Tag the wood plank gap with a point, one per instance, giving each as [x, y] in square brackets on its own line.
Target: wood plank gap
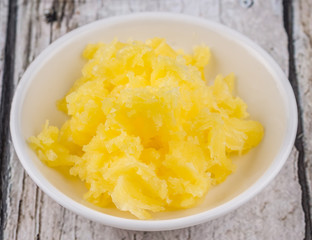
[38, 214]
[62, 14]
[299, 144]
[5, 106]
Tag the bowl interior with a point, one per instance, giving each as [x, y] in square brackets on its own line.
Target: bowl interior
[256, 84]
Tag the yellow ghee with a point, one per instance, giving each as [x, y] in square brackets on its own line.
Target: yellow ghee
[145, 132]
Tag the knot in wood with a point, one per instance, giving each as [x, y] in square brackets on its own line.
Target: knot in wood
[246, 3]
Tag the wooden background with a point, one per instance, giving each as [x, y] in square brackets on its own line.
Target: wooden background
[283, 28]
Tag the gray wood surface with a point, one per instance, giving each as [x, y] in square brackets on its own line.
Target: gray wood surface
[303, 63]
[282, 28]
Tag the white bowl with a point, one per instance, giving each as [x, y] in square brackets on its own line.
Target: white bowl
[260, 82]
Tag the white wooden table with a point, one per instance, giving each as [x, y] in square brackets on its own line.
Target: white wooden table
[283, 28]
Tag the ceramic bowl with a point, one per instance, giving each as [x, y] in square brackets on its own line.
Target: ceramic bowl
[260, 83]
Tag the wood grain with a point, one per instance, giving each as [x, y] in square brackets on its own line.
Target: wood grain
[7, 88]
[275, 213]
[303, 64]
[3, 28]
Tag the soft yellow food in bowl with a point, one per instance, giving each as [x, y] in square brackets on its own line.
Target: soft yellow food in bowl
[145, 131]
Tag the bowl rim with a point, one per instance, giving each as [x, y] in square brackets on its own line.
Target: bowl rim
[169, 224]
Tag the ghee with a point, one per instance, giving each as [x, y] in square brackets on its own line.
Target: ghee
[145, 131]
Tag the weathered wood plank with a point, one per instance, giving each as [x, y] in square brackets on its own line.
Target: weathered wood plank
[31, 40]
[273, 214]
[3, 28]
[8, 39]
[303, 65]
